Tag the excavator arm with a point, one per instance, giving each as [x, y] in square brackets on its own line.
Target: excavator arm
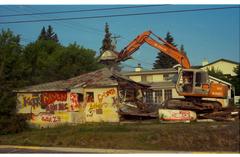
[164, 47]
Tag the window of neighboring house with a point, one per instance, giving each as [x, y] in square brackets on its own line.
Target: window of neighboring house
[167, 94]
[149, 78]
[144, 78]
[90, 97]
[165, 77]
[149, 96]
[80, 97]
[158, 96]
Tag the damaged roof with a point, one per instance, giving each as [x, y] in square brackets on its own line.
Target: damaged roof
[99, 78]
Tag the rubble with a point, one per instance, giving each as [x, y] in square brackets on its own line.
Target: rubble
[228, 114]
[224, 115]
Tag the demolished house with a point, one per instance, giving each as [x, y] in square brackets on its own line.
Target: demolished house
[99, 96]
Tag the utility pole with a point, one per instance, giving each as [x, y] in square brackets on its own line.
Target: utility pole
[115, 37]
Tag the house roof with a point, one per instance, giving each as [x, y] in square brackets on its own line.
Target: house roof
[99, 78]
[222, 59]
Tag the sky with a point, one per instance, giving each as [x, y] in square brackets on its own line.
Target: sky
[207, 35]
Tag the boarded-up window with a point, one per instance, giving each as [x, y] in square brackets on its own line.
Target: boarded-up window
[90, 97]
[167, 94]
[80, 97]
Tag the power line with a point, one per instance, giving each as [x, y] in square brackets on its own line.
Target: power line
[66, 24]
[83, 10]
[143, 62]
[122, 15]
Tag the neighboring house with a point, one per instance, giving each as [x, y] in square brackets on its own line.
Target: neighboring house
[162, 82]
[224, 65]
[91, 97]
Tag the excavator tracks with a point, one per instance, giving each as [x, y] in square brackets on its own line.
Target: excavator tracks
[199, 106]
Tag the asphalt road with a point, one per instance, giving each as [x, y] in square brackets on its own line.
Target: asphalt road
[8, 149]
[30, 151]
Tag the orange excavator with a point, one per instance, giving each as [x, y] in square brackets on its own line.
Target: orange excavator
[193, 84]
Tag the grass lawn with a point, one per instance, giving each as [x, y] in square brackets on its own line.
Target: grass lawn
[217, 136]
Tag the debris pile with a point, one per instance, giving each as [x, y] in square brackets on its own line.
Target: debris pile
[227, 114]
[224, 115]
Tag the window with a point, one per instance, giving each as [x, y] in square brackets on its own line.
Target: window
[149, 78]
[201, 78]
[149, 96]
[165, 77]
[144, 78]
[90, 97]
[167, 94]
[80, 97]
[158, 96]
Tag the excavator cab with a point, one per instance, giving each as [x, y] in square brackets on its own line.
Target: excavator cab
[193, 81]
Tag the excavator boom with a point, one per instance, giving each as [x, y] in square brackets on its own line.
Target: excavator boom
[164, 47]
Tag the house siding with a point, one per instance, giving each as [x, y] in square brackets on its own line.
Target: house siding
[226, 67]
[48, 109]
[104, 108]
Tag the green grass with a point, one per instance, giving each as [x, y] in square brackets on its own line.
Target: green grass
[218, 136]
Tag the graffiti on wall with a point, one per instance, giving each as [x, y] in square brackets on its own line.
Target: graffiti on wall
[33, 100]
[46, 108]
[97, 107]
[74, 105]
[46, 117]
[50, 118]
[50, 97]
[50, 101]
[110, 92]
[57, 107]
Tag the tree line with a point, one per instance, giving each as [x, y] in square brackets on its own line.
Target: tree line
[43, 60]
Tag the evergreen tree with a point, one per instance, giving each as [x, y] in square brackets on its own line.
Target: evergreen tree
[42, 35]
[48, 35]
[107, 41]
[163, 60]
[236, 80]
[217, 73]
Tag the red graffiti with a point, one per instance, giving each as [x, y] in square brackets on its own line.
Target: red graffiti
[55, 107]
[181, 115]
[106, 94]
[50, 97]
[74, 102]
[50, 118]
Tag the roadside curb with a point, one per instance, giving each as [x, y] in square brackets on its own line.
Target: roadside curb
[87, 150]
[103, 151]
